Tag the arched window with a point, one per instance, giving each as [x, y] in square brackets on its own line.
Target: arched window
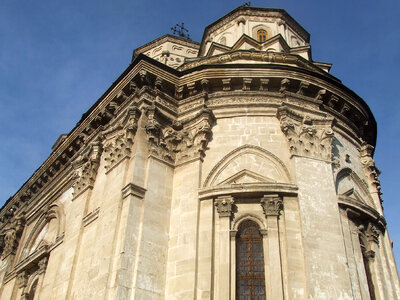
[262, 35]
[250, 278]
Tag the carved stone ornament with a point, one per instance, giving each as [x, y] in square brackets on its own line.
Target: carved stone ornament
[272, 205]
[86, 166]
[307, 137]
[11, 236]
[42, 265]
[224, 205]
[372, 233]
[22, 279]
[370, 169]
[180, 141]
[119, 137]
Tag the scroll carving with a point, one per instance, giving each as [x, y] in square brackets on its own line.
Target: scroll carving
[272, 205]
[11, 236]
[119, 138]
[370, 169]
[86, 166]
[307, 137]
[180, 141]
[224, 205]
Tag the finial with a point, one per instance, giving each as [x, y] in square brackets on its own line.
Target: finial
[247, 4]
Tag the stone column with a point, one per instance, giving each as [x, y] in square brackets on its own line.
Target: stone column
[372, 237]
[233, 234]
[272, 205]
[224, 208]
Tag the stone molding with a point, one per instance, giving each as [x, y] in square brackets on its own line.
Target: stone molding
[256, 189]
[224, 205]
[133, 190]
[272, 205]
[90, 217]
[306, 136]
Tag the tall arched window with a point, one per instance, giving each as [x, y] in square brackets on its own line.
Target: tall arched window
[31, 294]
[250, 278]
[262, 35]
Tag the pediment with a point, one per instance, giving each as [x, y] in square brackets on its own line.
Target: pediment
[354, 195]
[246, 176]
[216, 48]
[245, 42]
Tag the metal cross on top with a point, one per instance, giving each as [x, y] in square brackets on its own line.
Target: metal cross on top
[181, 31]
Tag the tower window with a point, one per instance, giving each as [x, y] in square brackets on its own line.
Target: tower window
[250, 278]
[262, 35]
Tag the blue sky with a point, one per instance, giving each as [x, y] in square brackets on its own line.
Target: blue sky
[58, 57]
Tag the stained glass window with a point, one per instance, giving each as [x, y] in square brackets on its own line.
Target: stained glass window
[262, 35]
[250, 280]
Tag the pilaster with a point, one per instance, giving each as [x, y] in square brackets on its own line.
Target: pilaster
[224, 205]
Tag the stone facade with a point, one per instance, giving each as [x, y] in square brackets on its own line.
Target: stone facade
[149, 195]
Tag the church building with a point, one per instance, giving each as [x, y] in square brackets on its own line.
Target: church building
[234, 168]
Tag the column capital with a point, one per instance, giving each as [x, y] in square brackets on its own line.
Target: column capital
[272, 205]
[224, 205]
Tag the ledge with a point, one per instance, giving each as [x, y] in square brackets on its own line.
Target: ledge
[362, 209]
[247, 189]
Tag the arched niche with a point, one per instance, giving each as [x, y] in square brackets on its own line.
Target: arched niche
[349, 185]
[48, 230]
[248, 164]
[252, 217]
[258, 28]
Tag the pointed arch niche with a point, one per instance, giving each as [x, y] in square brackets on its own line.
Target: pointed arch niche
[46, 234]
[248, 164]
[247, 186]
[363, 228]
[351, 189]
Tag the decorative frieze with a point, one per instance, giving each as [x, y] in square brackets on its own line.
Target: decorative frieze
[224, 205]
[272, 205]
[306, 136]
[370, 169]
